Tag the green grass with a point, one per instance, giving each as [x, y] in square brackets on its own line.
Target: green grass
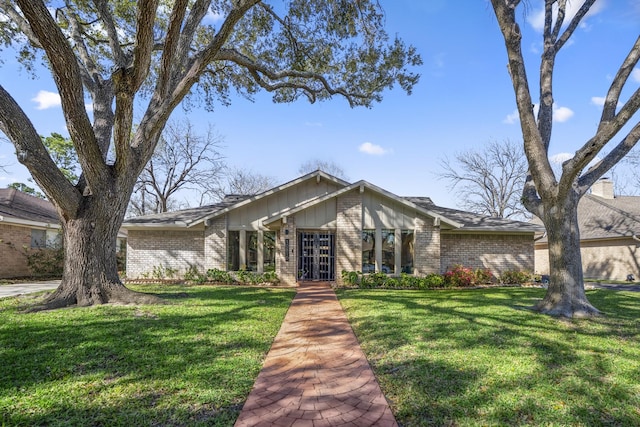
[480, 357]
[190, 362]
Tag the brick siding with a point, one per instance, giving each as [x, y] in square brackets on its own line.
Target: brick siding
[178, 250]
[13, 241]
[286, 270]
[426, 247]
[348, 233]
[496, 252]
[215, 244]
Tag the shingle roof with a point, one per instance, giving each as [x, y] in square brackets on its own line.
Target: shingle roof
[471, 221]
[183, 217]
[18, 205]
[601, 218]
[458, 220]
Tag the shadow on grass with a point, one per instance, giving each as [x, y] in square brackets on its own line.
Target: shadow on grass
[191, 362]
[475, 357]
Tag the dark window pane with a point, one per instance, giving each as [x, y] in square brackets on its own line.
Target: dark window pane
[406, 258]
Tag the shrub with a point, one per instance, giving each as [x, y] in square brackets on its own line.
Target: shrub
[513, 277]
[46, 262]
[410, 281]
[193, 275]
[431, 281]
[350, 278]
[161, 272]
[219, 276]
[459, 276]
[270, 277]
[483, 276]
[392, 282]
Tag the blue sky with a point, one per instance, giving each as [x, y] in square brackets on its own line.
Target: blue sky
[463, 100]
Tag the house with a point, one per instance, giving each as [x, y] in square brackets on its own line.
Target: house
[26, 223]
[316, 226]
[609, 235]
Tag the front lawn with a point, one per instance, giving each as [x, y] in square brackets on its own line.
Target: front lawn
[480, 357]
[190, 362]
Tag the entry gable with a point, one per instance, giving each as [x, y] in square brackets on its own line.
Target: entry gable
[362, 186]
[252, 211]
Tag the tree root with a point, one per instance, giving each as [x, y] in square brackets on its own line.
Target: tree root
[576, 310]
[95, 294]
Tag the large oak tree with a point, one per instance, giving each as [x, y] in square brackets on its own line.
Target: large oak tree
[555, 200]
[145, 58]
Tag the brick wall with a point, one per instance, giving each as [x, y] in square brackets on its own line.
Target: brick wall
[13, 241]
[498, 253]
[215, 244]
[174, 249]
[348, 233]
[427, 247]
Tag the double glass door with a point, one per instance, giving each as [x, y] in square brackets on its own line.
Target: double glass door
[316, 256]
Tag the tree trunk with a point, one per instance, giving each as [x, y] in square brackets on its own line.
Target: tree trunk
[90, 273]
[565, 295]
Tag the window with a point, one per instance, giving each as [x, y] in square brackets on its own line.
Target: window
[368, 251]
[233, 251]
[388, 251]
[252, 251]
[406, 257]
[269, 251]
[38, 239]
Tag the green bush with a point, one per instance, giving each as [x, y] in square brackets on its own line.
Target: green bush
[193, 275]
[512, 277]
[483, 276]
[350, 278]
[46, 262]
[431, 281]
[219, 276]
[160, 272]
[410, 281]
[270, 277]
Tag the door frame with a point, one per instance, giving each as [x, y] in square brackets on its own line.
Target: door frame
[316, 256]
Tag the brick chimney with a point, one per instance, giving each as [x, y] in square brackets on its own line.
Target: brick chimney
[603, 188]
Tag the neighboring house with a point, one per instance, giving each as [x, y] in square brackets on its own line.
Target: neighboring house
[26, 223]
[316, 226]
[609, 235]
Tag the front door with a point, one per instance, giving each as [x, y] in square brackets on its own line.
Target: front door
[316, 256]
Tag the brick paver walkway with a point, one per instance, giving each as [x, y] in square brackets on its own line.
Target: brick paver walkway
[315, 373]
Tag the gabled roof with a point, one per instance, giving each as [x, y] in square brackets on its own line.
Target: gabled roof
[20, 208]
[194, 216]
[363, 184]
[455, 219]
[603, 218]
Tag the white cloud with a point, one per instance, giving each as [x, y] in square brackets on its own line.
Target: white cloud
[46, 99]
[536, 18]
[598, 100]
[635, 75]
[560, 158]
[373, 149]
[511, 118]
[561, 114]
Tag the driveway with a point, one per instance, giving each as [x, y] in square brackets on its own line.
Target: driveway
[27, 288]
[612, 287]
